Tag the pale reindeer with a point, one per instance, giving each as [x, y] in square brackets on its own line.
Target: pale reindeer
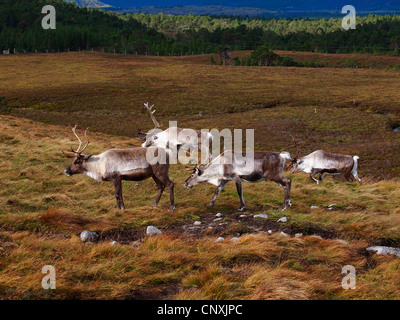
[322, 162]
[174, 138]
[116, 165]
[224, 168]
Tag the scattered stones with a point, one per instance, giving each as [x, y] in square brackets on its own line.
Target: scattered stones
[88, 236]
[382, 250]
[283, 219]
[197, 223]
[298, 235]
[262, 216]
[152, 231]
[220, 239]
[219, 215]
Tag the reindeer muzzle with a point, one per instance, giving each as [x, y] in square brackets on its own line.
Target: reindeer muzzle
[68, 172]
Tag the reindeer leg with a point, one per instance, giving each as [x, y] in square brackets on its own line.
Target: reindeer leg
[161, 188]
[239, 189]
[313, 173]
[162, 176]
[118, 192]
[217, 191]
[357, 178]
[286, 184]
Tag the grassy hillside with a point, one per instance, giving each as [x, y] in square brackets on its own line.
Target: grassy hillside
[43, 211]
[356, 108]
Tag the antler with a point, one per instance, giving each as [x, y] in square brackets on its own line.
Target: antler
[80, 141]
[296, 144]
[151, 112]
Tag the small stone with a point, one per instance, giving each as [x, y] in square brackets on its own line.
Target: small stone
[283, 219]
[341, 241]
[298, 235]
[220, 239]
[262, 216]
[88, 236]
[217, 219]
[284, 234]
[242, 216]
[197, 223]
[235, 239]
[270, 231]
[316, 236]
[314, 207]
[136, 243]
[218, 215]
[152, 231]
[113, 243]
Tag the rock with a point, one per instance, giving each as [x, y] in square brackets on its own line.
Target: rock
[283, 219]
[330, 207]
[385, 250]
[113, 243]
[270, 231]
[219, 215]
[152, 231]
[217, 219]
[316, 236]
[220, 239]
[88, 236]
[341, 241]
[235, 239]
[284, 234]
[314, 207]
[136, 243]
[197, 223]
[262, 216]
[298, 235]
[242, 216]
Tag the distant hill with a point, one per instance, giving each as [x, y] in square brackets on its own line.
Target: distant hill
[90, 3]
[274, 5]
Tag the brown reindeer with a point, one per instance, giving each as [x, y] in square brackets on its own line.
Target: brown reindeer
[116, 165]
[225, 168]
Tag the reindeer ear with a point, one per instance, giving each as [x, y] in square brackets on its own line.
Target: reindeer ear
[86, 156]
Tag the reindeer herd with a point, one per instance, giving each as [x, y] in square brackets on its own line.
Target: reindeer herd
[134, 164]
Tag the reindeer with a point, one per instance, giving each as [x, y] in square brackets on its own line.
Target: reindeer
[225, 168]
[321, 162]
[174, 138]
[116, 165]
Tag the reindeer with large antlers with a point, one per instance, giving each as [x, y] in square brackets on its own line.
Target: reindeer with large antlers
[174, 138]
[116, 165]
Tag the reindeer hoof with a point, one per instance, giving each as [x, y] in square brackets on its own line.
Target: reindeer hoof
[171, 209]
[241, 209]
[210, 204]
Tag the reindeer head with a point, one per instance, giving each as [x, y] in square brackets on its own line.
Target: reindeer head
[194, 178]
[79, 158]
[295, 161]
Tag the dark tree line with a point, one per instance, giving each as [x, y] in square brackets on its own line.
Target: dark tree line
[83, 28]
